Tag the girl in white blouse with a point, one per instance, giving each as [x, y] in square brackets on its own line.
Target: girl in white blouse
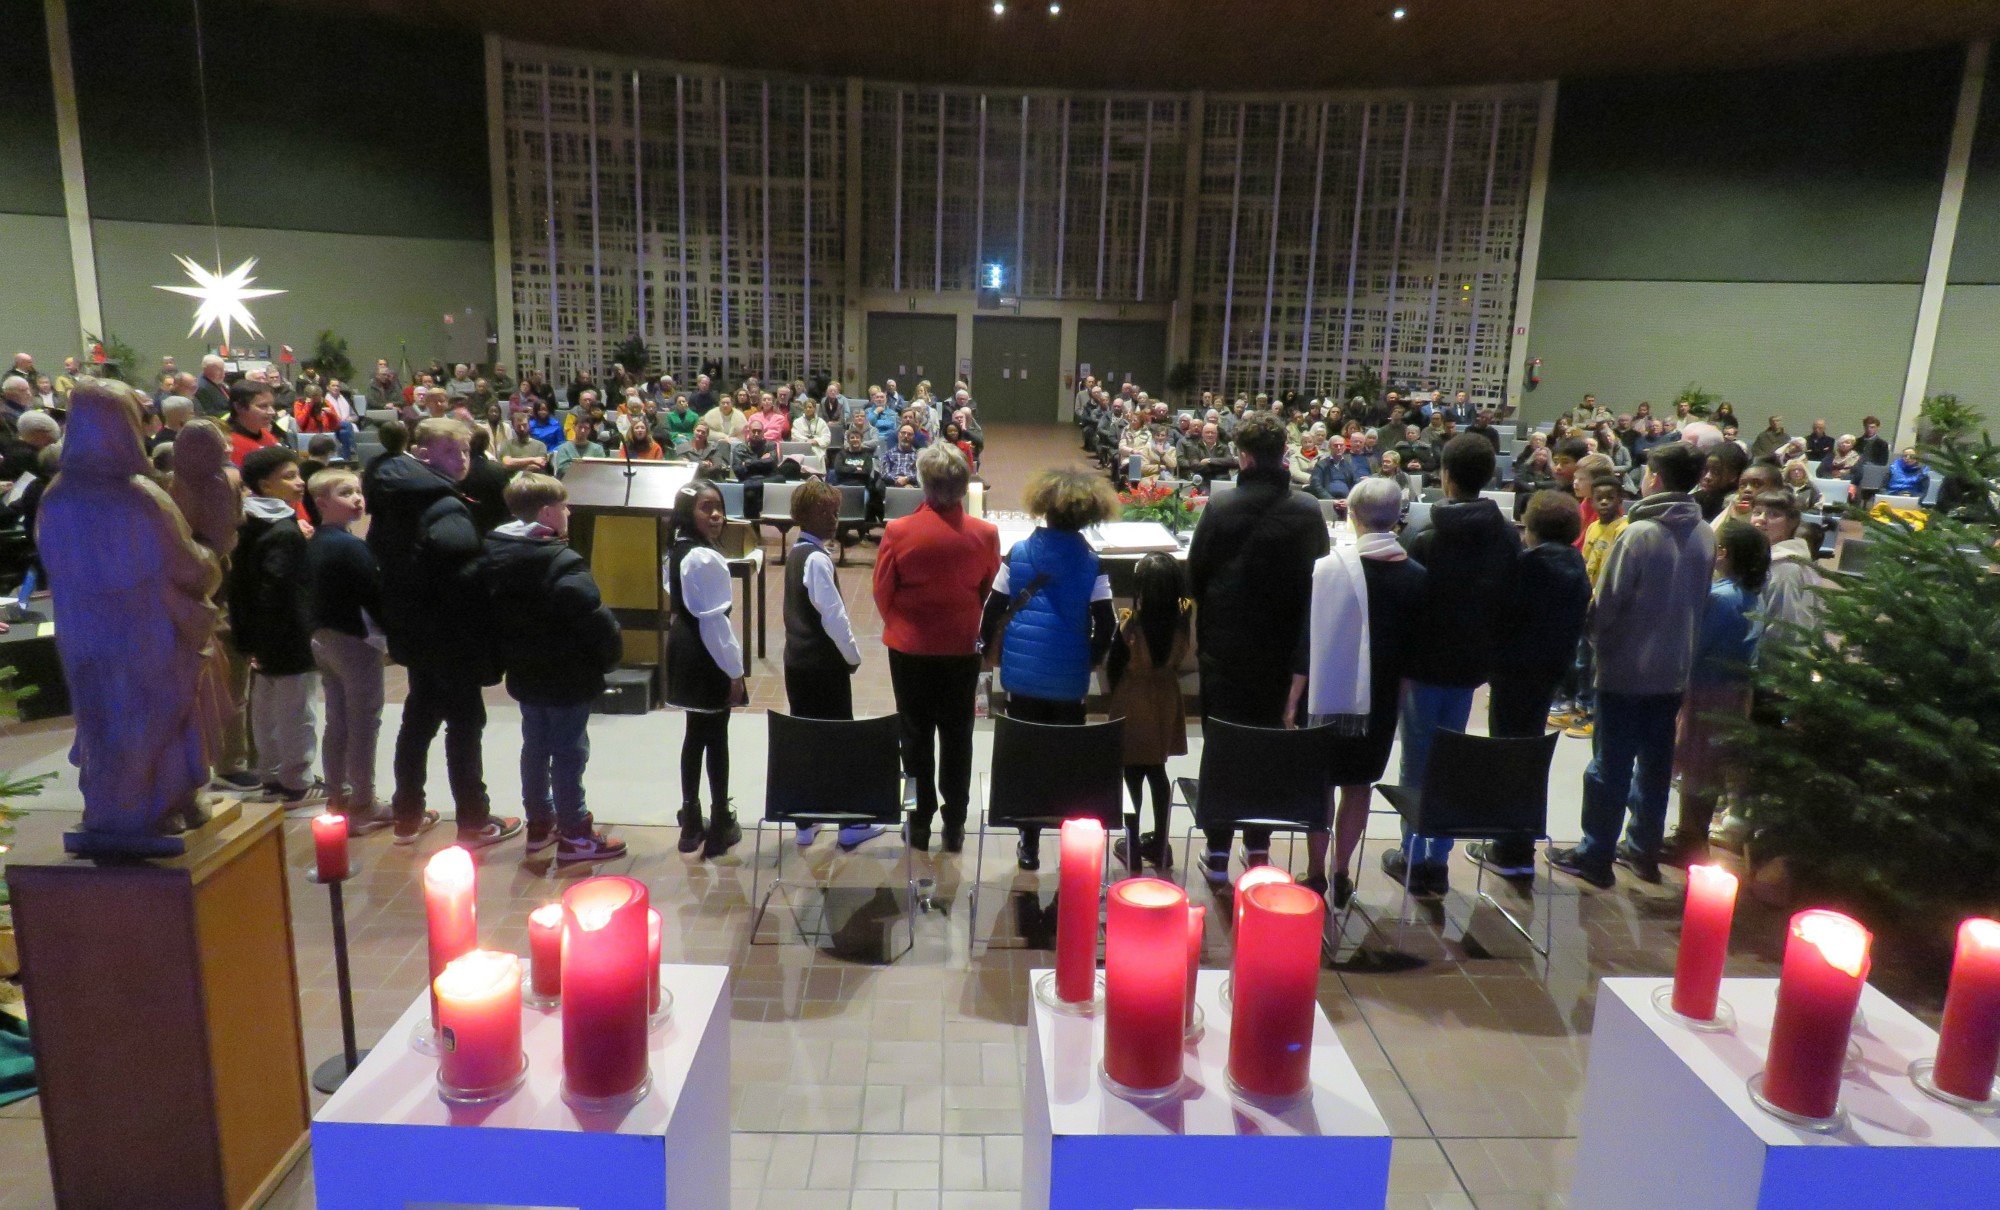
[704, 665]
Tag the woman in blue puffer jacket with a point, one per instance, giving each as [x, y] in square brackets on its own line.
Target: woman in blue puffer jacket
[1055, 607]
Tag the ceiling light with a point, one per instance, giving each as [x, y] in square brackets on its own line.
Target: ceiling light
[999, 8]
[1395, 14]
[1055, 8]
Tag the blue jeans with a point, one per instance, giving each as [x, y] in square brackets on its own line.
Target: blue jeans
[555, 746]
[1633, 730]
[1425, 709]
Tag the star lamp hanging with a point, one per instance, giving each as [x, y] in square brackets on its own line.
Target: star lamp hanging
[221, 296]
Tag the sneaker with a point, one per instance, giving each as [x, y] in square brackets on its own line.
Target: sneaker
[1481, 853]
[854, 836]
[497, 829]
[1121, 852]
[371, 821]
[1215, 868]
[1256, 857]
[1026, 857]
[310, 796]
[592, 846]
[1644, 866]
[237, 779]
[540, 836]
[1561, 717]
[1315, 883]
[1576, 865]
[1581, 729]
[808, 832]
[1342, 890]
[1684, 851]
[407, 830]
[1396, 864]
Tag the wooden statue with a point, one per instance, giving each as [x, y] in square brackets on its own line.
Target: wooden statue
[131, 592]
[206, 489]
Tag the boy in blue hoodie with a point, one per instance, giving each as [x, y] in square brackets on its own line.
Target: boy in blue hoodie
[270, 614]
[557, 640]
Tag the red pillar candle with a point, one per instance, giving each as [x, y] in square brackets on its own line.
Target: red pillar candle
[1255, 876]
[1711, 903]
[1076, 919]
[604, 987]
[451, 911]
[1969, 1037]
[653, 960]
[1826, 963]
[1145, 983]
[1275, 996]
[545, 950]
[330, 846]
[1197, 922]
[479, 1021]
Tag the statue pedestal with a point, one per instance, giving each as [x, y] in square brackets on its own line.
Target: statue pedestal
[119, 846]
[167, 1040]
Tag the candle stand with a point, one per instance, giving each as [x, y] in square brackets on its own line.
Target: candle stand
[1660, 1097]
[328, 1076]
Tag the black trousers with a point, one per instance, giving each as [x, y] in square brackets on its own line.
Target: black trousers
[441, 699]
[1253, 701]
[1042, 710]
[818, 693]
[707, 736]
[934, 703]
[1517, 707]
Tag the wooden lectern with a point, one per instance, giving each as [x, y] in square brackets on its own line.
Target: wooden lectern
[618, 522]
[165, 1007]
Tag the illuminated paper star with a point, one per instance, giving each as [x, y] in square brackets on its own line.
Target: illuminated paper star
[222, 297]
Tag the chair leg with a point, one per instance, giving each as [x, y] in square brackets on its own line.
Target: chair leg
[1187, 847]
[1479, 891]
[978, 870]
[909, 899]
[756, 874]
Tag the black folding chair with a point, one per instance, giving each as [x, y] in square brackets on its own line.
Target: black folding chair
[831, 771]
[1045, 773]
[1480, 788]
[1257, 777]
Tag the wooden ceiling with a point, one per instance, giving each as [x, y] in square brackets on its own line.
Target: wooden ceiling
[1224, 45]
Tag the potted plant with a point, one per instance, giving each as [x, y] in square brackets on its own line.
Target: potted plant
[330, 358]
[12, 786]
[1153, 502]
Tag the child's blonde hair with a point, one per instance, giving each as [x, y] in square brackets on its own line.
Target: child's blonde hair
[530, 493]
[321, 485]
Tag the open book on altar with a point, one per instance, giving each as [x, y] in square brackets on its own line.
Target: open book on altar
[1131, 538]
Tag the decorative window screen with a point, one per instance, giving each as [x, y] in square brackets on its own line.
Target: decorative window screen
[1334, 236]
[616, 181]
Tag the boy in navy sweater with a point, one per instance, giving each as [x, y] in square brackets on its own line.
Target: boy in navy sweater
[557, 640]
[347, 647]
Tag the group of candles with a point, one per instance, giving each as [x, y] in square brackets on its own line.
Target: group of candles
[597, 954]
[1152, 954]
[1819, 989]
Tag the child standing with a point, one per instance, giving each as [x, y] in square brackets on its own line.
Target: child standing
[1144, 669]
[270, 614]
[347, 648]
[704, 665]
[1718, 684]
[1605, 522]
[557, 639]
[820, 653]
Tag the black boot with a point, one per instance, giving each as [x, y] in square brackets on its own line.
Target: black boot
[723, 832]
[691, 831]
[920, 832]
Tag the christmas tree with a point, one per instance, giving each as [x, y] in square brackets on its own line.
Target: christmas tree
[1873, 768]
[13, 786]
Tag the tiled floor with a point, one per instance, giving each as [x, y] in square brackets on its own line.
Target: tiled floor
[865, 1085]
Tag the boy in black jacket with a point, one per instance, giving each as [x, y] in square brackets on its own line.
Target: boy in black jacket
[434, 612]
[270, 614]
[1540, 627]
[557, 640]
[347, 648]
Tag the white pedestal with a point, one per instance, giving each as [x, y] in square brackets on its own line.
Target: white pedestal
[1668, 1123]
[386, 1140]
[1088, 1149]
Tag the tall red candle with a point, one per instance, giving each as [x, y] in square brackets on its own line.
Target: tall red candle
[330, 846]
[1145, 983]
[1196, 924]
[1255, 876]
[451, 911]
[545, 950]
[479, 1021]
[604, 987]
[1274, 999]
[1969, 1037]
[1711, 903]
[653, 923]
[1826, 963]
[1076, 918]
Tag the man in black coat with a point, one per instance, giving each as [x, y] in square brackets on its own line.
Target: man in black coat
[435, 615]
[1250, 573]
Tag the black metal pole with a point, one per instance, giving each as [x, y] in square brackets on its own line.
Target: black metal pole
[329, 1076]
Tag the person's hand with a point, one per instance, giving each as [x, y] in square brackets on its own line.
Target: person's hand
[739, 691]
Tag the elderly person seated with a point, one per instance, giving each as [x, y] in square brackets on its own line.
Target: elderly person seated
[1208, 457]
[810, 429]
[1417, 455]
[1334, 476]
[1156, 452]
[1845, 457]
[1907, 476]
[1391, 468]
[1798, 482]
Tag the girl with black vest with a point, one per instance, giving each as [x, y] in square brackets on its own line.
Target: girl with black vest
[704, 665]
[1050, 609]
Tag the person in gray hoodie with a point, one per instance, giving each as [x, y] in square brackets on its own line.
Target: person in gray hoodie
[1650, 598]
